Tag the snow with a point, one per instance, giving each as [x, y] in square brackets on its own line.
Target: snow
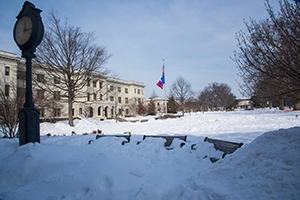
[68, 167]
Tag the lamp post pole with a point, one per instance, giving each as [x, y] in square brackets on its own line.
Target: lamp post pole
[29, 116]
[29, 98]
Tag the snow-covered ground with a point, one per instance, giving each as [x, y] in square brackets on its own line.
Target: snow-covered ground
[67, 167]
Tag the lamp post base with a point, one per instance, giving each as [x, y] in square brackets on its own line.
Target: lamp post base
[29, 125]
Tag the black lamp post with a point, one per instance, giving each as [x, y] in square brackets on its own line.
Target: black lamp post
[28, 34]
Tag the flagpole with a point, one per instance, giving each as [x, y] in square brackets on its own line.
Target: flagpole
[165, 87]
[162, 84]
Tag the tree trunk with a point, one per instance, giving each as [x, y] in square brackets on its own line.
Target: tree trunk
[70, 107]
[282, 104]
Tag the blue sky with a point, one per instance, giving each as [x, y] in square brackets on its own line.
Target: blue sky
[195, 37]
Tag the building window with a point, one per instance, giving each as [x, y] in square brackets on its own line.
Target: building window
[56, 80]
[6, 90]
[119, 100]
[57, 112]
[73, 112]
[94, 83]
[111, 88]
[112, 112]
[80, 111]
[120, 111]
[7, 69]
[40, 78]
[40, 94]
[139, 100]
[95, 96]
[101, 97]
[88, 96]
[119, 89]
[100, 84]
[127, 111]
[138, 91]
[99, 110]
[126, 99]
[21, 75]
[91, 112]
[134, 90]
[56, 95]
[126, 90]
[111, 98]
[88, 82]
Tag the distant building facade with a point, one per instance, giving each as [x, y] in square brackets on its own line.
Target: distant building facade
[245, 104]
[160, 104]
[101, 97]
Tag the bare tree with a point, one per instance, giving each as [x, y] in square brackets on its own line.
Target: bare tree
[192, 105]
[69, 55]
[115, 96]
[141, 109]
[132, 106]
[10, 106]
[181, 89]
[153, 95]
[216, 96]
[269, 52]
[205, 99]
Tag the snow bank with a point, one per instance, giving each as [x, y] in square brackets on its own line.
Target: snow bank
[267, 168]
[58, 168]
[67, 167]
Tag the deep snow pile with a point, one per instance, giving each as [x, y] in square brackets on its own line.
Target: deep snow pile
[67, 167]
[267, 168]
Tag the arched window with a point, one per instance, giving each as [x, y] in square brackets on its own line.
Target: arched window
[99, 110]
[91, 112]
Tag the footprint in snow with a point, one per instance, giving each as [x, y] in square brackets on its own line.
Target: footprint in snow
[106, 183]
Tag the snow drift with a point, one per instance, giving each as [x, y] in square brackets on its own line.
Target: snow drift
[67, 167]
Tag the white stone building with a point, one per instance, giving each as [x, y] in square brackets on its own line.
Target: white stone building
[8, 73]
[102, 96]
